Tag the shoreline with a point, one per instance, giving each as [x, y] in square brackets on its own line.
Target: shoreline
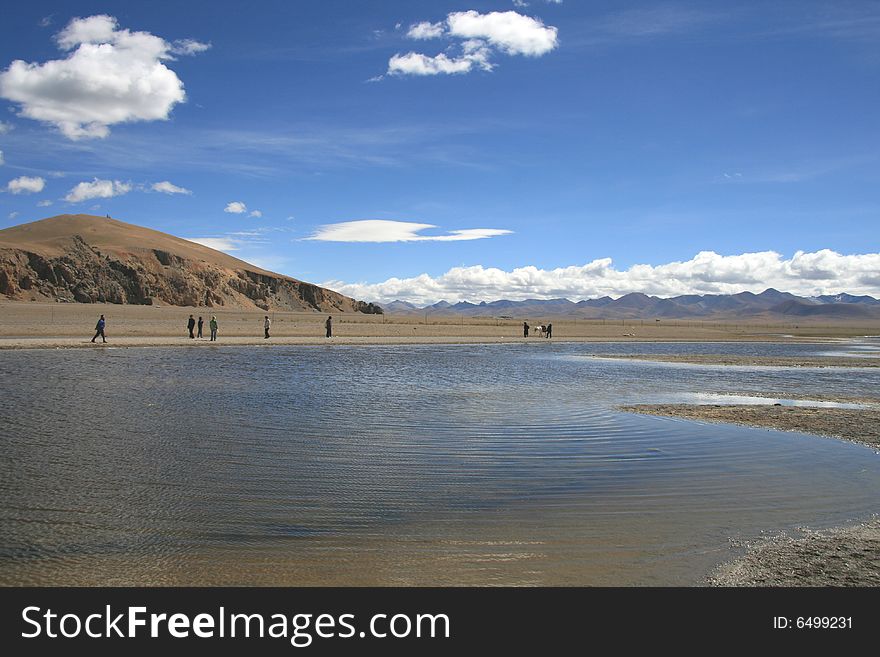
[8, 343]
[840, 556]
[859, 426]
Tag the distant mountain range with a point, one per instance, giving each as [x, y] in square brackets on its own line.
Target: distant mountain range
[769, 304]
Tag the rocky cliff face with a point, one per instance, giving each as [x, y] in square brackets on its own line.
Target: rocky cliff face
[85, 273]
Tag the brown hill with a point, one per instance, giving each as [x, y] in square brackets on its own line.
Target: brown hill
[91, 259]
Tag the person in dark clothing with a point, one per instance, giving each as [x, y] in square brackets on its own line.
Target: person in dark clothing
[201, 323]
[99, 329]
[549, 330]
[191, 324]
[213, 326]
[266, 325]
[329, 326]
[525, 329]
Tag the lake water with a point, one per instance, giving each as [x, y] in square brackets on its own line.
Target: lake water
[479, 464]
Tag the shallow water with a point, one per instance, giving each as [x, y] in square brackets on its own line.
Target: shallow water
[704, 398]
[482, 464]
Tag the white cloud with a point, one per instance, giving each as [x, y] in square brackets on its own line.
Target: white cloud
[13, 215]
[426, 30]
[509, 31]
[381, 230]
[169, 188]
[188, 47]
[413, 63]
[480, 36]
[5, 127]
[808, 274]
[97, 189]
[252, 241]
[218, 243]
[26, 185]
[2, 161]
[110, 76]
[235, 207]
[44, 203]
[255, 213]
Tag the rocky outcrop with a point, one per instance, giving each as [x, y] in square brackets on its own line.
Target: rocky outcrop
[86, 274]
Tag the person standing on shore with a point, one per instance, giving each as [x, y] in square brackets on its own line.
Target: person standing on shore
[525, 329]
[549, 330]
[201, 323]
[213, 326]
[191, 324]
[266, 325]
[99, 329]
[329, 326]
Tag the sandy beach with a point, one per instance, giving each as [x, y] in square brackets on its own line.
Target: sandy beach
[50, 325]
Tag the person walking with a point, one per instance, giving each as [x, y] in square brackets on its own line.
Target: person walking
[213, 326]
[525, 329]
[549, 330]
[201, 323]
[99, 329]
[329, 326]
[191, 324]
[266, 325]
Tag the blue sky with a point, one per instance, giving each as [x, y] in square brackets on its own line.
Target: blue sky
[581, 148]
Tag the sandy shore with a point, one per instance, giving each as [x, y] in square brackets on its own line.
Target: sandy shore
[856, 425]
[48, 325]
[751, 361]
[844, 556]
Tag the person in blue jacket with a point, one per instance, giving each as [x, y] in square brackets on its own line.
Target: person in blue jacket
[99, 329]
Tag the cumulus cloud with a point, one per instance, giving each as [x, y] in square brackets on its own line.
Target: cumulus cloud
[110, 76]
[167, 187]
[380, 230]
[413, 63]
[13, 215]
[45, 203]
[235, 207]
[808, 274]
[26, 185]
[508, 31]
[2, 161]
[97, 189]
[425, 30]
[5, 127]
[255, 213]
[478, 37]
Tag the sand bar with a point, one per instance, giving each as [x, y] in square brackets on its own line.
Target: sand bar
[855, 425]
[750, 361]
[843, 556]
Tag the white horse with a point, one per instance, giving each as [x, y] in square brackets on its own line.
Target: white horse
[540, 329]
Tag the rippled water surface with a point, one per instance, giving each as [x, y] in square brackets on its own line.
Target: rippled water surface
[482, 464]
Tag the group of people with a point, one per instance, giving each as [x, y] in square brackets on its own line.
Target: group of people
[546, 331]
[192, 324]
[195, 327]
